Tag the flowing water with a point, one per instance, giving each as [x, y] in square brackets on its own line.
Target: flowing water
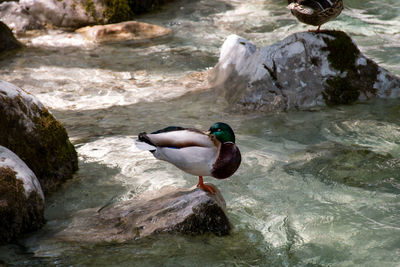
[316, 188]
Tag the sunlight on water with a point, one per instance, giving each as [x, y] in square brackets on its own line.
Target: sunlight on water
[315, 188]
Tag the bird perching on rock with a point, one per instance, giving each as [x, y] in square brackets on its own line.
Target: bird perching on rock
[212, 153]
[315, 12]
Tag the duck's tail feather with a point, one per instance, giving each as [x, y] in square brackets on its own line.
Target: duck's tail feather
[143, 143]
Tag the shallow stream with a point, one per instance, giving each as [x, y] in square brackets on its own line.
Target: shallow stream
[316, 188]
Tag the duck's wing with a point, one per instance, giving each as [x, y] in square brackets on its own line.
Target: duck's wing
[307, 6]
[177, 137]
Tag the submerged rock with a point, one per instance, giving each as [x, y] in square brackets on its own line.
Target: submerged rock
[21, 197]
[30, 131]
[351, 165]
[124, 31]
[7, 39]
[304, 70]
[169, 210]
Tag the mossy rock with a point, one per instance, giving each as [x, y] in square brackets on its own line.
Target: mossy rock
[21, 198]
[123, 10]
[31, 131]
[354, 79]
[343, 53]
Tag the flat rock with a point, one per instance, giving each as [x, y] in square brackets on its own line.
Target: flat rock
[21, 197]
[169, 210]
[31, 131]
[302, 71]
[125, 31]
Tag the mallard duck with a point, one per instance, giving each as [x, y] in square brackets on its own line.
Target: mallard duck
[315, 12]
[199, 153]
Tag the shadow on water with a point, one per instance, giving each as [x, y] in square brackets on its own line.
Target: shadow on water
[159, 250]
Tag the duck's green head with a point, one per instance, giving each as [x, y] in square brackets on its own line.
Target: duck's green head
[223, 132]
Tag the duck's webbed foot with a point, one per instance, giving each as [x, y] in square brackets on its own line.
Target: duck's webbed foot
[207, 188]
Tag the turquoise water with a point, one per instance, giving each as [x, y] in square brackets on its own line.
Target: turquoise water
[316, 188]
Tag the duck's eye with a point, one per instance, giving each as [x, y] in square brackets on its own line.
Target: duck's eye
[219, 130]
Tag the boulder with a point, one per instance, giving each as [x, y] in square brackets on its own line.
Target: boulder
[129, 31]
[25, 15]
[66, 13]
[30, 131]
[304, 70]
[169, 210]
[17, 17]
[21, 197]
[7, 39]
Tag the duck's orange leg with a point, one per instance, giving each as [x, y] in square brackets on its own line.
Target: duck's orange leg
[207, 188]
[317, 30]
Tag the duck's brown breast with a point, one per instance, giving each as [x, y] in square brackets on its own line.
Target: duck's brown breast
[227, 162]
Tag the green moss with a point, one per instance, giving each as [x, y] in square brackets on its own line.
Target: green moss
[353, 80]
[89, 8]
[117, 11]
[122, 10]
[342, 51]
[339, 91]
[56, 147]
[18, 214]
[46, 150]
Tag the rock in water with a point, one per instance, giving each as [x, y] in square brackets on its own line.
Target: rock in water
[30, 131]
[17, 17]
[169, 210]
[302, 71]
[7, 39]
[125, 31]
[21, 197]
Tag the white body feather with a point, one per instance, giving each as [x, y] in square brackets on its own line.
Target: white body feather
[191, 151]
[195, 160]
[180, 137]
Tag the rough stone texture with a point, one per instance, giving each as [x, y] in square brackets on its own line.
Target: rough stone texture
[124, 31]
[302, 71]
[66, 13]
[29, 130]
[21, 198]
[7, 39]
[25, 15]
[169, 210]
[17, 17]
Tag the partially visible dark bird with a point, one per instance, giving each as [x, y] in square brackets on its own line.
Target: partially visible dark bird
[212, 153]
[315, 12]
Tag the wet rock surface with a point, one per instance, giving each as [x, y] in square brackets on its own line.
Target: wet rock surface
[123, 32]
[168, 210]
[7, 39]
[302, 71]
[21, 198]
[30, 131]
